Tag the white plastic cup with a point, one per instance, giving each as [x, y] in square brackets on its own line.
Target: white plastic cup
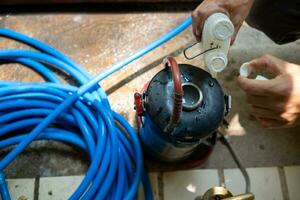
[245, 71]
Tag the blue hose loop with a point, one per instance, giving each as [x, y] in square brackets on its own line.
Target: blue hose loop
[80, 116]
[3, 188]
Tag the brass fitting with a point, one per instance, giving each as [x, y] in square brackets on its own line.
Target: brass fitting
[222, 193]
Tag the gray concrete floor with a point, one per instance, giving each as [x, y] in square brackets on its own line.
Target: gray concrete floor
[98, 40]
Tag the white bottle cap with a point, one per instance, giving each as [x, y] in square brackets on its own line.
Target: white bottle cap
[245, 71]
[216, 62]
[222, 28]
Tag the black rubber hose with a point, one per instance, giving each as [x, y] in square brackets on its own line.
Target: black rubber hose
[225, 142]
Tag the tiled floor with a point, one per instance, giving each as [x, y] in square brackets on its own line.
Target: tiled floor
[292, 175]
[188, 184]
[21, 189]
[155, 187]
[266, 184]
[58, 188]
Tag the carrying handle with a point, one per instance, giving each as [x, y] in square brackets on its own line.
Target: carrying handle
[199, 54]
[178, 93]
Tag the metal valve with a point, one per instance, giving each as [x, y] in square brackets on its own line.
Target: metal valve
[221, 193]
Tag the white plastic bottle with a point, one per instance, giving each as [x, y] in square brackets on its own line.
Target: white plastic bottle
[217, 32]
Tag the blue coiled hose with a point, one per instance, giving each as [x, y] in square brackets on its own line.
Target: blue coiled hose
[80, 116]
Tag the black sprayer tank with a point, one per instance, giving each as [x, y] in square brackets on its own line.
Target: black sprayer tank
[202, 107]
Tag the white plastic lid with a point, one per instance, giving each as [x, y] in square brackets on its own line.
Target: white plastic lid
[216, 62]
[245, 71]
[222, 28]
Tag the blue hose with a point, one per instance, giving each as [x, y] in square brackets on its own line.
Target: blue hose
[80, 116]
[3, 187]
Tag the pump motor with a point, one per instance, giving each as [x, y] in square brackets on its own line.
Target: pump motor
[179, 112]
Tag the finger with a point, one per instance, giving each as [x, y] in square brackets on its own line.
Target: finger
[265, 113]
[255, 87]
[233, 38]
[197, 24]
[237, 27]
[270, 123]
[268, 63]
[197, 29]
[271, 103]
[257, 100]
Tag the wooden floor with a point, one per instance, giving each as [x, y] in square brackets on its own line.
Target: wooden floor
[98, 40]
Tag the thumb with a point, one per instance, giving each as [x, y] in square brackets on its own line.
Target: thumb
[255, 87]
[268, 63]
[233, 38]
[236, 31]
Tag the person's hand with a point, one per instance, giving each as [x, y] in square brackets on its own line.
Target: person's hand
[274, 102]
[236, 10]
